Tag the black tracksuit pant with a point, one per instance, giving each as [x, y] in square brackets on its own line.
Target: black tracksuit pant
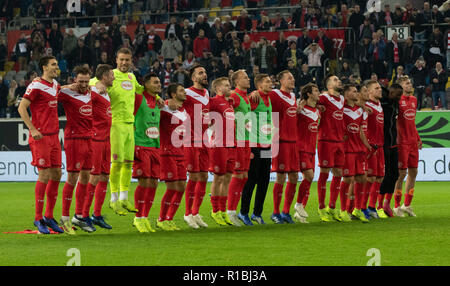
[390, 170]
[258, 174]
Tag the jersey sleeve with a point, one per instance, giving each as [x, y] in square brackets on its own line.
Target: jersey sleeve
[139, 88]
[235, 100]
[137, 102]
[30, 93]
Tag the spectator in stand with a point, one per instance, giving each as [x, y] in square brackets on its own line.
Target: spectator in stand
[19, 92]
[397, 18]
[218, 44]
[106, 45]
[4, 90]
[280, 23]
[377, 19]
[266, 57]
[416, 27]
[232, 36]
[299, 15]
[104, 59]
[7, 10]
[377, 51]
[201, 43]
[96, 54]
[314, 53]
[216, 27]
[21, 51]
[438, 77]
[167, 75]
[69, 44]
[366, 29]
[202, 24]
[3, 53]
[304, 40]
[419, 75]
[154, 43]
[246, 44]
[264, 23]
[92, 36]
[411, 52]
[281, 45]
[11, 109]
[173, 27]
[37, 49]
[243, 23]
[188, 45]
[171, 47]
[181, 75]
[304, 76]
[236, 55]
[294, 54]
[356, 20]
[189, 61]
[324, 43]
[436, 16]
[228, 26]
[205, 60]
[398, 73]
[215, 70]
[387, 15]
[408, 12]
[394, 54]
[55, 39]
[328, 20]
[435, 48]
[225, 62]
[312, 18]
[252, 4]
[124, 35]
[39, 29]
[114, 32]
[140, 41]
[186, 30]
[343, 16]
[81, 55]
[345, 72]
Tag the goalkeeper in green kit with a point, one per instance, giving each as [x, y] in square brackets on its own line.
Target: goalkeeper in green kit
[122, 94]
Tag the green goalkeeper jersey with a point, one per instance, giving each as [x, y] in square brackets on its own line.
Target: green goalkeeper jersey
[122, 95]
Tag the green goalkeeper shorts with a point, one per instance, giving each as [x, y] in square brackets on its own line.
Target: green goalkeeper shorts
[122, 142]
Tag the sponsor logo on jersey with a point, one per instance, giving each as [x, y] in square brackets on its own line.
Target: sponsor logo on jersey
[53, 103]
[109, 112]
[86, 110]
[180, 130]
[380, 118]
[409, 114]
[364, 127]
[205, 114]
[229, 114]
[313, 127]
[292, 111]
[126, 85]
[353, 128]
[338, 115]
[152, 132]
[266, 129]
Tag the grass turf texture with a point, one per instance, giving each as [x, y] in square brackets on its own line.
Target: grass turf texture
[402, 241]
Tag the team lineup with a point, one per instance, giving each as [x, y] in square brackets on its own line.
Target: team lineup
[118, 129]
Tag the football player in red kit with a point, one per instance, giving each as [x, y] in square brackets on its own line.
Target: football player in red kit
[284, 148]
[307, 131]
[409, 144]
[330, 148]
[355, 145]
[222, 151]
[42, 98]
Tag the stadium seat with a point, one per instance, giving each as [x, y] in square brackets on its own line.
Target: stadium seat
[213, 13]
[9, 66]
[10, 75]
[237, 11]
[20, 75]
[448, 84]
[2, 73]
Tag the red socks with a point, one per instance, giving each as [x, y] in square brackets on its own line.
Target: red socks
[90, 192]
[374, 190]
[174, 205]
[289, 196]
[100, 194]
[344, 195]
[303, 192]
[322, 189]
[235, 192]
[39, 195]
[165, 204]
[189, 196]
[380, 201]
[277, 195]
[359, 193]
[67, 199]
[408, 197]
[397, 198]
[335, 187]
[365, 196]
[215, 203]
[80, 195]
[139, 200]
[200, 190]
[149, 197]
[52, 194]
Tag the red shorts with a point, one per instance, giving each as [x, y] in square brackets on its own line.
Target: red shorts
[101, 157]
[222, 160]
[78, 154]
[287, 158]
[242, 156]
[197, 159]
[146, 162]
[408, 156]
[46, 152]
[354, 165]
[375, 163]
[331, 154]
[173, 168]
[307, 161]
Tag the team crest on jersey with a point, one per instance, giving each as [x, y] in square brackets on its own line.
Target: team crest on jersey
[139, 172]
[53, 103]
[130, 77]
[409, 114]
[86, 110]
[190, 167]
[291, 111]
[346, 171]
[109, 112]
[216, 169]
[380, 118]
[229, 114]
[353, 128]
[152, 132]
[41, 161]
[325, 162]
[126, 85]
[170, 175]
[313, 127]
[281, 166]
[237, 165]
[338, 115]
[303, 165]
[78, 165]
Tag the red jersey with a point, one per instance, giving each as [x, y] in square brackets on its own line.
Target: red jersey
[286, 106]
[197, 107]
[375, 124]
[172, 131]
[307, 129]
[406, 121]
[331, 127]
[101, 115]
[353, 119]
[222, 117]
[43, 96]
[78, 109]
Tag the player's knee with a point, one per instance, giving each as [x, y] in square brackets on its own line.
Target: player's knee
[293, 178]
[281, 178]
[55, 174]
[44, 176]
[412, 172]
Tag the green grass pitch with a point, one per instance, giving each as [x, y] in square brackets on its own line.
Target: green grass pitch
[423, 240]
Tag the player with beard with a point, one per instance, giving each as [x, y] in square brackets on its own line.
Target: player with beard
[221, 150]
[285, 154]
[41, 97]
[197, 159]
[409, 144]
[330, 147]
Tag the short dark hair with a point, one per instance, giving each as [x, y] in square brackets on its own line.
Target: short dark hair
[370, 82]
[348, 86]
[81, 70]
[101, 70]
[281, 74]
[172, 88]
[193, 68]
[125, 51]
[327, 79]
[259, 78]
[149, 76]
[308, 88]
[44, 61]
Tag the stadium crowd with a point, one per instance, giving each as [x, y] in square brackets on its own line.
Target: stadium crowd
[223, 45]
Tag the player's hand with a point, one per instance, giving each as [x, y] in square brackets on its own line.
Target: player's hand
[161, 103]
[254, 97]
[367, 109]
[101, 87]
[36, 134]
[72, 86]
[172, 105]
[320, 107]
[300, 105]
